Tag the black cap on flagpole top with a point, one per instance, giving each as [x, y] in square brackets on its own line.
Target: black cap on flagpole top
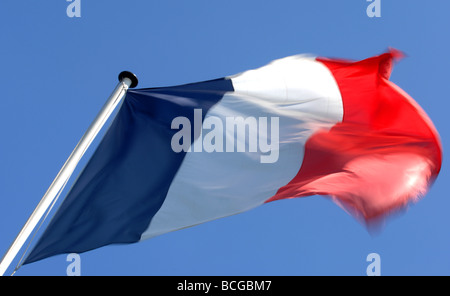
[129, 75]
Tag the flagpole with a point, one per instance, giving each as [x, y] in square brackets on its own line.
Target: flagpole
[126, 80]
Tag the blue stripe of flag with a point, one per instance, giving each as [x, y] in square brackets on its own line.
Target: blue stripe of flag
[127, 178]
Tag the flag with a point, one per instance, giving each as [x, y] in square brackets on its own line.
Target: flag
[175, 157]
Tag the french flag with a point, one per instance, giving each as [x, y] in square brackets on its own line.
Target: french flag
[175, 157]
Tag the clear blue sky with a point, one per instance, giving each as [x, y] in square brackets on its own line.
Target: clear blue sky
[56, 73]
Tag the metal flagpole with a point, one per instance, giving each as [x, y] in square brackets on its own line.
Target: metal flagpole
[126, 80]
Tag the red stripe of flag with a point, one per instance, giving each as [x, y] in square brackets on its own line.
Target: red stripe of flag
[384, 154]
